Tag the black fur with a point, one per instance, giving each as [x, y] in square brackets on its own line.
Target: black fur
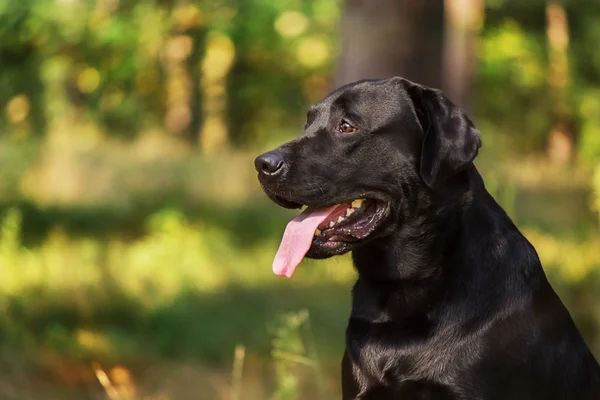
[451, 300]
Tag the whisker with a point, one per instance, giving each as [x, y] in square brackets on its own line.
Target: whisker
[319, 186]
[313, 184]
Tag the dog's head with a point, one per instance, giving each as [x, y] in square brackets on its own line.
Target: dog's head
[363, 147]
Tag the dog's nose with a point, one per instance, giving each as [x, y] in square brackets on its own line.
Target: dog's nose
[269, 163]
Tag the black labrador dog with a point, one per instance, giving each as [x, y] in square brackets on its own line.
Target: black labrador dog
[451, 300]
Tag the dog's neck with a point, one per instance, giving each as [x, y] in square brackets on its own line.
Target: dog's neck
[414, 262]
[424, 230]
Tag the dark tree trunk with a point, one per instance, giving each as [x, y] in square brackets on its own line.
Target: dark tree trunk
[384, 38]
[194, 63]
[22, 76]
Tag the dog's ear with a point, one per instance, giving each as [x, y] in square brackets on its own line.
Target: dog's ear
[451, 141]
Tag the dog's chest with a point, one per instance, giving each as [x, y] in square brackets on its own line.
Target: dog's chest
[389, 341]
[386, 353]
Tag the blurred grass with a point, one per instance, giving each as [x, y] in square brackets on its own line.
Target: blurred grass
[162, 258]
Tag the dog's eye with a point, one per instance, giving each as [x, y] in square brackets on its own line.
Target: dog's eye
[345, 127]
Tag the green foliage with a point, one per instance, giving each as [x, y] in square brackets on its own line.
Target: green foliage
[596, 190]
[110, 60]
[513, 96]
[96, 292]
[293, 346]
[513, 77]
[589, 109]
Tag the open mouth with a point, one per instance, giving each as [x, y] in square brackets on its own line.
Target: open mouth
[332, 228]
[349, 222]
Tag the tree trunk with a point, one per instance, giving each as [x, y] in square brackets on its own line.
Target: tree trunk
[193, 65]
[384, 38]
[464, 19]
[561, 138]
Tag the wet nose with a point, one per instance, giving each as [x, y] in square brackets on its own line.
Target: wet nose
[269, 163]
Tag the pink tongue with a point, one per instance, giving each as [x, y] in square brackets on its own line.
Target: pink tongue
[297, 239]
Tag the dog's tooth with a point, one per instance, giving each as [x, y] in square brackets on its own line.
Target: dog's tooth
[357, 203]
[317, 232]
[349, 211]
[340, 219]
[331, 224]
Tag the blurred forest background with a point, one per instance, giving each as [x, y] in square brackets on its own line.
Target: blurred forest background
[135, 244]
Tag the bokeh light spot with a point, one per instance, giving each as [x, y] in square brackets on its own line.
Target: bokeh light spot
[88, 80]
[313, 52]
[18, 109]
[220, 53]
[291, 24]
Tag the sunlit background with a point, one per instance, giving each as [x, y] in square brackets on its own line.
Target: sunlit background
[135, 243]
